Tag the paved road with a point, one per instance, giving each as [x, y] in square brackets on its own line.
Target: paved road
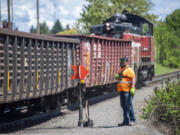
[106, 116]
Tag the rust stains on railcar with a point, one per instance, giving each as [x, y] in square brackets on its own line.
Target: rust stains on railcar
[101, 56]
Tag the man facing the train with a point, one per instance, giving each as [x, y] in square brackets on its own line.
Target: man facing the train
[126, 87]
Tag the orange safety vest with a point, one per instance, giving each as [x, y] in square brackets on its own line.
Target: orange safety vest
[126, 82]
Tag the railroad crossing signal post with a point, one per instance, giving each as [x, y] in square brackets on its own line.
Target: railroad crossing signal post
[80, 121]
[80, 73]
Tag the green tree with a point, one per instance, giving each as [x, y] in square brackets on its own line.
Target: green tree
[57, 27]
[167, 40]
[99, 10]
[44, 29]
[173, 22]
[32, 29]
[94, 13]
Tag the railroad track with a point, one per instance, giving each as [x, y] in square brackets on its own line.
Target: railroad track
[24, 120]
[164, 78]
[39, 117]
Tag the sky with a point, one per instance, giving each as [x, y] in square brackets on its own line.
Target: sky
[67, 11]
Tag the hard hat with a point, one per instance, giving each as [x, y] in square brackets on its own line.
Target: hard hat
[124, 59]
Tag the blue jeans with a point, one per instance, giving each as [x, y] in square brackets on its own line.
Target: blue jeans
[126, 104]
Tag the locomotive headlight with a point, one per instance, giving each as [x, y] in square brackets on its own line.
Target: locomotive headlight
[107, 24]
[107, 28]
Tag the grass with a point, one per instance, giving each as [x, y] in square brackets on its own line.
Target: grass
[159, 69]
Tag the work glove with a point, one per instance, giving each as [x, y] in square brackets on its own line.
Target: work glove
[132, 91]
[116, 76]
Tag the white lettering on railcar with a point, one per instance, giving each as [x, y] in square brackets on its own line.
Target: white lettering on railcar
[135, 44]
[87, 44]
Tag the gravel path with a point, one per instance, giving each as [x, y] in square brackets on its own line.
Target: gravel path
[106, 115]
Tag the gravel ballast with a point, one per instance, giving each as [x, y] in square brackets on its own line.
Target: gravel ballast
[106, 115]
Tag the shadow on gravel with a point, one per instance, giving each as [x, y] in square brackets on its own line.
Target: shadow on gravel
[59, 127]
[107, 127]
[20, 124]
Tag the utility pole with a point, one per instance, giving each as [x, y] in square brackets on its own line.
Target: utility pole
[38, 26]
[12, 15]
[9, 19]
[0, 16]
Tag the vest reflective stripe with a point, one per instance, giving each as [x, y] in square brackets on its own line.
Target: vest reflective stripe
[127, 82]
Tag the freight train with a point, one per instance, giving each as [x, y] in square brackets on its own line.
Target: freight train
[121, 35]
[36, 69]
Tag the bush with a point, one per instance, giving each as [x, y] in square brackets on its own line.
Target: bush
[164, 106]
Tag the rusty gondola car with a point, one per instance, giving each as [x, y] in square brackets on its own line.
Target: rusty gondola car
[33, 68]
[101, 56]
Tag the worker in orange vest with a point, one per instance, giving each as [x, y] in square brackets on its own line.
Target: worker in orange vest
[126, 87]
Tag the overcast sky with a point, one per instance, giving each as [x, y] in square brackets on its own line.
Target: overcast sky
[67, 11]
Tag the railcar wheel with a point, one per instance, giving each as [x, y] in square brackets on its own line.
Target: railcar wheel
[114, 87]
[2, 110]
[45, 106]
[59, 101]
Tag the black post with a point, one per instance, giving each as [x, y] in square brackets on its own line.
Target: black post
[9, 14]
[80, 122]
[0, 16]
[38, 25]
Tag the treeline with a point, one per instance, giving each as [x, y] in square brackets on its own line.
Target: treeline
[167, 40]
[44, 29]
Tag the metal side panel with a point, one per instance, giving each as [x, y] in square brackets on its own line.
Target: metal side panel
[47, 69]
[58, 71]
[36, 69]
[96, 62]
[52, 68]
[66, 66]
[6, 68]
[92, 62]
[62, 67]
[29, 79]
[73, 62]
[21, 89]
[41, 81]
[101, 62]
[14, 82]
[108, 63]
[105, 56]
[111, 60]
